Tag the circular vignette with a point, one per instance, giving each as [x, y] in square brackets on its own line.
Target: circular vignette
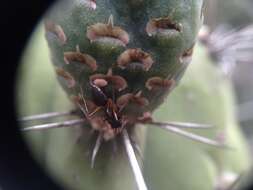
[18, 170]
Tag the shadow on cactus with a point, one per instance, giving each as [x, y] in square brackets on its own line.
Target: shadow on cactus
[117, 62]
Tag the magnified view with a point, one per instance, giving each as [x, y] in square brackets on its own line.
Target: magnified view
[140, 94]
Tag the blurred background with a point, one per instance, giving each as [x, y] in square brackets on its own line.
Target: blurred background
[234, 14]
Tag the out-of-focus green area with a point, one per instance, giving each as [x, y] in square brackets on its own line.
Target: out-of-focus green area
[237, 14]
[232, 12]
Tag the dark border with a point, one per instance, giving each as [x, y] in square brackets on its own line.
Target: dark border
[18, 170]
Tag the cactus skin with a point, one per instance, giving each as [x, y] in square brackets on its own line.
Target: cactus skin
[138, 49]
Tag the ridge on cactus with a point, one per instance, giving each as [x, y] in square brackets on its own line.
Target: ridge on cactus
[118, 61]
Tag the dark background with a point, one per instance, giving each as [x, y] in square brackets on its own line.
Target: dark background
[17, 168]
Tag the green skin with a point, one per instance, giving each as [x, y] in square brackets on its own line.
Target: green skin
[169, 161]
[131, 16]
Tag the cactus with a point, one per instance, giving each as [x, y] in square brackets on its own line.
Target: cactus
[118, 61]
[109, 60]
